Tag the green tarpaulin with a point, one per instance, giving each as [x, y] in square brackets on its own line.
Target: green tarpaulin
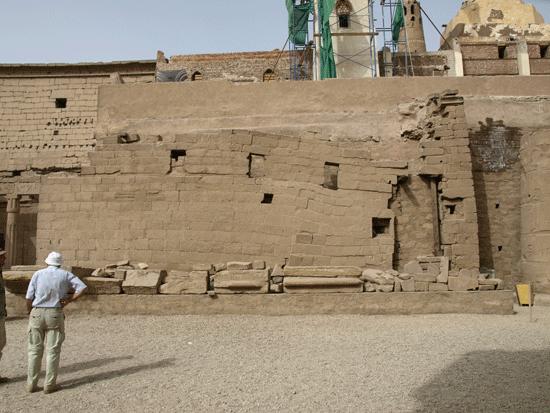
[297, 28]
[398, 22]
[328, 67]
[298, 16]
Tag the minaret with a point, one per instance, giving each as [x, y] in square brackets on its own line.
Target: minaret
[415, 29]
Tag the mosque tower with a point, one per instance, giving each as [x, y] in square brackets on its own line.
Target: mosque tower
[414, 28]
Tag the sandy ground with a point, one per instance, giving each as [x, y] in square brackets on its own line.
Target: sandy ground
[434, 363]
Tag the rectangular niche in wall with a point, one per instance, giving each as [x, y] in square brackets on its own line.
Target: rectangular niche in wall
[61, 103]
[380, 226]
[331, 175]
[256, 166]
[177, 158]
[453, 208]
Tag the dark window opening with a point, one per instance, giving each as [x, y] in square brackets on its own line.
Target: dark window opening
[176, 154]
[543, 51]
[343, 21]
[405, 11]
[497, 206]
[56, 132]
[331, 175]
[268, 199]
[412, 8]
[60, 103]
[196, 77]
[500, 247]
[16, 173]
[501, 52]
[269, 76]
[412, 18]
[451, 209]
[380, 226]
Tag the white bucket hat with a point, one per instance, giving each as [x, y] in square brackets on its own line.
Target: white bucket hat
[54, 259]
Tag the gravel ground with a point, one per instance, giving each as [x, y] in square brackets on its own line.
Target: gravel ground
[435, 363]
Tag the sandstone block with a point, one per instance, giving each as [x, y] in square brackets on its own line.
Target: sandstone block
[425, 278]
[143, 266]
[120, 274]
[486, 287]
[277, 271]
[258, 265]
[413, 267]
[143, 281]
[370, 275]
[369, 287]
[314, 285]
[276, 288]
[421, 286]
[102, 285]
[17, 282]
[405, 276]
[181, 282]
[123, 263]
[462, 283]
[397, 286]
[81, 272]
[408, 285]
[220, 267]
[328, 272]
[204, 267]
[277, 280]
[438, 287]
[100, 272]
[241, 281]
[384, 288]
[433, 268]
[234, 265]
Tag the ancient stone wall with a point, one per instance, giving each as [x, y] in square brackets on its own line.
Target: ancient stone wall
[48, 112]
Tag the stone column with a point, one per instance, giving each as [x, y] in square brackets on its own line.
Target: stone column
[11, 229]
[523, 59]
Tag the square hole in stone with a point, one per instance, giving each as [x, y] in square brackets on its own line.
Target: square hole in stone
[268, 199]
[380, 226]
[61, 103]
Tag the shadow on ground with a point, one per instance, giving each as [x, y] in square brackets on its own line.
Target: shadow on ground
[490, 382]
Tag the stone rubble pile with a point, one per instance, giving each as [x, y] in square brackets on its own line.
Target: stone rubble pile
[426, 273]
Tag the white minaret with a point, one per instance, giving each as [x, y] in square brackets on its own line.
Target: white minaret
[353, 44]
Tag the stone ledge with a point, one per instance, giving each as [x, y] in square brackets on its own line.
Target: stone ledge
[457, 302]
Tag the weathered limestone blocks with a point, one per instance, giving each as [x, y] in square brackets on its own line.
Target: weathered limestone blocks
[143, 281]
[17, 279]
[181, 282]
[239, 281]
[117, 270]
[322, 279]
[305, 285]
[102, 285]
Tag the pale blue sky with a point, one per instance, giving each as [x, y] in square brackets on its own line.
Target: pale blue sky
[71, 31]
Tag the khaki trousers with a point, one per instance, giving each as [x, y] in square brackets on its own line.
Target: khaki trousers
[46, 325]
[2, 335]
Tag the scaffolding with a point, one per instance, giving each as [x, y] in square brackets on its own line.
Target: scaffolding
[301, 52]
[388, 61]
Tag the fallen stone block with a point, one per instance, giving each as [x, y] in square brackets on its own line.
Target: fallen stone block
[408, 286]
[421, 286]
[120, 274]
[99, 272]
[123, 263]
[204, 267]
[384, 288]
[220, 267]
[143, 266]
[462, 283]
[438, 287]
[413, 267]
[276, 288]
[81, 272]
[369, 287]
[314, 285]
[397, 286]
[277, 271]
[277, 280]
[17, 282]
[102, 285]
[181, 282]
[405, 276]
[143, 281]
[241, 281]
[487, 287]
[370, 275]
[258, 265]
[328, 272]
[235, 265]
[428, 278]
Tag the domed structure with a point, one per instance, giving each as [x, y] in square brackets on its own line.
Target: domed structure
[496, 19]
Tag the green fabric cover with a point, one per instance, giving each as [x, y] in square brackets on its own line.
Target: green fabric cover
[298, 16]
[328, 66]
[398, 22]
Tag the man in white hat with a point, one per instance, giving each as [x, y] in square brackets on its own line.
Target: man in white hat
[3, 313]
[46, 296]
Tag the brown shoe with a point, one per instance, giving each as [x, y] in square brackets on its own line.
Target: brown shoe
[4, 379]
[53, 389]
